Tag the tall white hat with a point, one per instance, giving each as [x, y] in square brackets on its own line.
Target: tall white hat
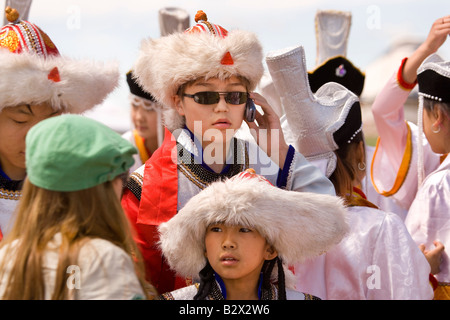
[172, 20]
[332, 65]
[316, 121]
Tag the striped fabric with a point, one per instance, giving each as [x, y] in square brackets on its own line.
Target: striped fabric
[205, 26]
[22, 36]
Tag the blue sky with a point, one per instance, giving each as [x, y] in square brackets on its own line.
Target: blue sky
[113, 30]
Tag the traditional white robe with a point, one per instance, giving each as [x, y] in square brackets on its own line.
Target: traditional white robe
[395, 168]
[378, 260]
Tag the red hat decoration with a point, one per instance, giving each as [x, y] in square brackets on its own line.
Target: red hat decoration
[19, 35]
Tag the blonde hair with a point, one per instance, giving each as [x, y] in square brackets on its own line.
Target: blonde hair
[79, 216]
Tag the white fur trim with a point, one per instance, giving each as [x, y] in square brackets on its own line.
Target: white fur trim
[299, 225]
[164, 64]
[84, 84]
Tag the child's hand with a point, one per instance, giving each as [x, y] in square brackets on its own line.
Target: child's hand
[438, 34]
[434, 256]
[436, 37]
[266, 129]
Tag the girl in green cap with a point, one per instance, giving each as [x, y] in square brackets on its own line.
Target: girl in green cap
[71, 239]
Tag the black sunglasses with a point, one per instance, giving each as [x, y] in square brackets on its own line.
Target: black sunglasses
[213, 97]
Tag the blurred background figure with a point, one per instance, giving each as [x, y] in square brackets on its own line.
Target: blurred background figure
[147, 117]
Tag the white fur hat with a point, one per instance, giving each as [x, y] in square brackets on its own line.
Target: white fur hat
[204, 50]
[298, 225]
[33, 71]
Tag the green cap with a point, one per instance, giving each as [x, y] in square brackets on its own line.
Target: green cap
[72, 152]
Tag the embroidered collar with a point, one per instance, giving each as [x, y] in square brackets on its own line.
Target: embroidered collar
[7, 184]
[224, 290]
[192, 144]
[191, 164]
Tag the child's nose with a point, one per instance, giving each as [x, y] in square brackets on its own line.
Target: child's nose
[222, 105]
[228, 242]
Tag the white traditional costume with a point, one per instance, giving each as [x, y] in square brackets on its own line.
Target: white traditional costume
[176, 172]
[404, 158]
[378, 259]
[32, 71]
[297, 225]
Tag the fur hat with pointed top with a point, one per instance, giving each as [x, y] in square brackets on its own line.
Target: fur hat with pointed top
[298, 225]
[205, 50]
[33, 71]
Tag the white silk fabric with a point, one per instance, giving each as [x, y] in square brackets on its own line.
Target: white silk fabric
[378, 260]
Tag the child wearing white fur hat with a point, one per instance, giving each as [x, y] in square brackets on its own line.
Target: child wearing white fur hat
[36, 83]
[231, 239]
[205, 76]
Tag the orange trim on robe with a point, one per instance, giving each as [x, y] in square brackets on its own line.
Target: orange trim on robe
[140, 145]
[442, 292]
[403, 170]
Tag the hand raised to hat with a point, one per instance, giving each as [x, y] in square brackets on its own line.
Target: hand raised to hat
[266, 130]
[436, 37]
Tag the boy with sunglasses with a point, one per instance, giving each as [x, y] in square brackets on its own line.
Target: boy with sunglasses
[205, 76]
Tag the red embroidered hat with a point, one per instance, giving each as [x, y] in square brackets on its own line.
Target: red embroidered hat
[20, 35]
[33, 71]
[204, 26]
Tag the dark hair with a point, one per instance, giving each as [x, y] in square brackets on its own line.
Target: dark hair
[346, 166]
[207, 278]
[429, 105]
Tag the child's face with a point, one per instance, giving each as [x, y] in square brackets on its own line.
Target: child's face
[14, 125]
[237, 253]
[144, 120]
[218, 121]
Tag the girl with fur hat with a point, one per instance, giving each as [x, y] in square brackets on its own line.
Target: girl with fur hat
[377, 259]
[36, 83]
[205, 76]
[230, 238]
[411, 163]
[71, 239]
